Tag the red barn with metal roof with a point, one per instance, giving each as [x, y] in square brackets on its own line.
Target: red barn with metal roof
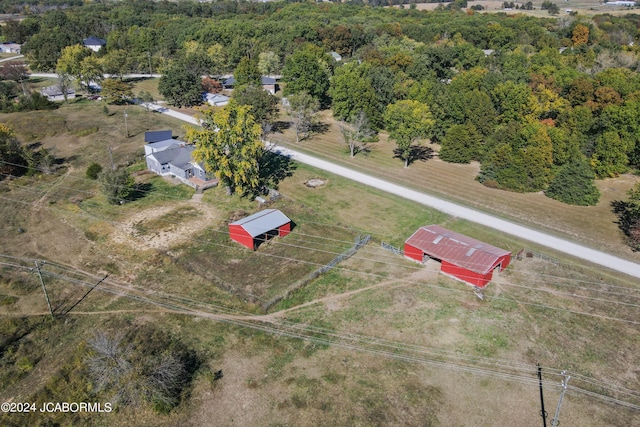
[462, 257]
[259, 227]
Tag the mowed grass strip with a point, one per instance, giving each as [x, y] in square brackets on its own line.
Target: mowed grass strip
[595, 226]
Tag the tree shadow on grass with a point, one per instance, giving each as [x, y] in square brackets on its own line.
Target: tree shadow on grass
[280, 126]
[319, 128]
[274, 168]
[139, 191]
[417, 152]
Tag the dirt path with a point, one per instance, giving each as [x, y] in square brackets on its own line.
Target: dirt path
[39, 202]
[330, 299]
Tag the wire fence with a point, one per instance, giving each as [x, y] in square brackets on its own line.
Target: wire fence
[360, 241]
[391, 248]
[530, 253]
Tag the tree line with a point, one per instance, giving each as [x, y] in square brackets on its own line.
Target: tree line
[542, 104]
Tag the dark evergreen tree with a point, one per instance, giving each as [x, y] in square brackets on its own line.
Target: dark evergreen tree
[574, 184]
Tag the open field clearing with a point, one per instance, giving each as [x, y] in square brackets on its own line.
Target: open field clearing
[594, 226]
[583, 7]
[377, 340]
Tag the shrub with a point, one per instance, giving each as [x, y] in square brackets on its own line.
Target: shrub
[93, 171]
[574, 184]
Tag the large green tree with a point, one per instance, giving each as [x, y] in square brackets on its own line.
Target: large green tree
[181, 86]
[247, 73]
[461, 144]
[407, 122]
[351, 92]
[229, 145]
[306, 70]
[116, 91]
[264, 106]
[71, 62]
[573, 184]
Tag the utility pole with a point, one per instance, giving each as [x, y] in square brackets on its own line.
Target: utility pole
[44, 288]
[543, 413]
[113, 167]
[565, 381]
[125, 122]
[150, 69]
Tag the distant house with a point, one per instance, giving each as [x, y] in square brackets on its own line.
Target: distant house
[171, 157]
[460, 256]
[94, 43]
[336, 56]
[488, 52]
[216, 99]
[259, 227]
[268, 83]
[54, 93]
[621, 3]
[10, 47]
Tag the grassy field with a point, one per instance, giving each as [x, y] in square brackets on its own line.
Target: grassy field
[390, 323]
[595, 226]
[583, 7]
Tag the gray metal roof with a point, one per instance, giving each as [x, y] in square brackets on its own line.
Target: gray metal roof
[157, 135]
[55, 91]
[263, 221]
[265, 80]
[164, 145]
[176, 156]
[94, 41]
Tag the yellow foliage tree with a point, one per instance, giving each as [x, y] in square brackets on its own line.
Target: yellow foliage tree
[580, 35]
[229, 145]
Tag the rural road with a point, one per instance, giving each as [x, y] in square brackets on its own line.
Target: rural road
[13, 58]
[106, 76]
[562, 245]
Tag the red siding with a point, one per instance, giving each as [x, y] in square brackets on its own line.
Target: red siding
[413, 252]
[465, 275]
[238, 234]
[505, 260]
[284, 229]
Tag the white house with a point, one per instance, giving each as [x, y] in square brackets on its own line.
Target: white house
[54, 93]
[94, 43]
[10, 47]
[216, 99]
[171, 157]
[621, 3]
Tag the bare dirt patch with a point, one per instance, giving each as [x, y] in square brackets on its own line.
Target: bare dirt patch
[315, 182]
[164, 226]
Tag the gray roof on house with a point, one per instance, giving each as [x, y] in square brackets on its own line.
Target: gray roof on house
[263, 221]
[157, 135]
[176, 156]
[264, 79]
[55, 91]
[94, 41]
[216, 98]
[164, 145]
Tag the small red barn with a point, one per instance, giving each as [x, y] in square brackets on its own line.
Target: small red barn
[259, 227]
[462, 257]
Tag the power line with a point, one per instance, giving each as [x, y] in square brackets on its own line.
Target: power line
[361, 251]
[358, 272]
[398, 351]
